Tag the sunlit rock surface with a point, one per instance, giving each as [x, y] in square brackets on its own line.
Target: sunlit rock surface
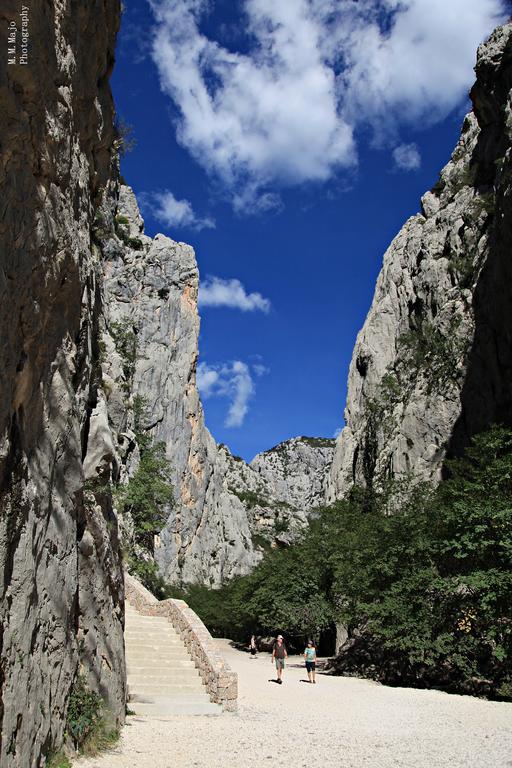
[432, 364]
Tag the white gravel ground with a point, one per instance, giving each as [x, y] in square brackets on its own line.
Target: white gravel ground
[342, 722]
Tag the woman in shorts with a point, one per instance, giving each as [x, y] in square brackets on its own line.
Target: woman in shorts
[310, 659]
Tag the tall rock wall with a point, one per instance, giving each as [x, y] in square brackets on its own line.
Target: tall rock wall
[151, 287]
[432, 364]
[61, 582]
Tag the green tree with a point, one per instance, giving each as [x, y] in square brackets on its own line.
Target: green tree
[446, 604]
[148, 495]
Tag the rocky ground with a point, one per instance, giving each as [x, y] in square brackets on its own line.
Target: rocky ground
[342, 722]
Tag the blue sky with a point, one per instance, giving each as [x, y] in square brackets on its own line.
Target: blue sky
[288, 142]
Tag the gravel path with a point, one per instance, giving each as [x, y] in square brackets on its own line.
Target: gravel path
[342, 722]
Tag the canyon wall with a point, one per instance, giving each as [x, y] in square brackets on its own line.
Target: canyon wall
[61, 581]
[432, 364]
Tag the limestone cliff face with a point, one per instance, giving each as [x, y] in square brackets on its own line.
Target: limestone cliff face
[225, 512]
[281, 486]
[433, 362]
[151, 287]
[60, 578]
[294, 471]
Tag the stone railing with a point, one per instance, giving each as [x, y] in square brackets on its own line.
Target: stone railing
[220, 681]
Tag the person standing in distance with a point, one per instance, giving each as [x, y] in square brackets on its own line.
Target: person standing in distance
[310, 659]
[279, 655]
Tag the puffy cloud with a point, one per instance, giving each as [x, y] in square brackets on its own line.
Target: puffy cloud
[217, 292]
[286, 110]
[171, 212]
[407, 157]
[251, 119]
[417, 65]
[232, 381]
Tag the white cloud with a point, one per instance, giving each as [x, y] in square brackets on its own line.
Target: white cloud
[260, 369]
[407, 157]
[251, 119]
[337, 432]
[217, 292]
[285, 111]
[232, 381]
[420, 69]
[207, 380]
[172, 212]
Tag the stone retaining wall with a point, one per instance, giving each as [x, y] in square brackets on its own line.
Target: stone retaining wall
[220, 681]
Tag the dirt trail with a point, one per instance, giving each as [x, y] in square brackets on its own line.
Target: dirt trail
[342, 722]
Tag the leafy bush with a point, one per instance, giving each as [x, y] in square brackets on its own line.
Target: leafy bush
[251, 499]
[432, 583]
[124, 139]
[281, 525]
[319, 442]
[432, 351]
[58, 760]
[147, 573]
[437, 355]
[134, 242]
[86, 723]
[148, 494]
[259, 541]
[125, 341]
[84, 712]
[146, 497]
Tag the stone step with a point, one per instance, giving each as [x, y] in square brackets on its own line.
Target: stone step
[161, 663]
[152, 642]
[162, 629]
[162, 689]
[148, 624]
[154, 654]
[164, 657]
[175, 705]
[150, 636]
[153, 683]
[134, 616]
[156, 675]
[143, 652]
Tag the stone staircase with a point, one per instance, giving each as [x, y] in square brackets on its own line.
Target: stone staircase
[162, 678]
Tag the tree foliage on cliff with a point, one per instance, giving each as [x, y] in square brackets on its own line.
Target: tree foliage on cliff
[148, 494]
[147, 498]
[421, 576]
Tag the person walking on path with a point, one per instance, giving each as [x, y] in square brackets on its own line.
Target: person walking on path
[310, 659]
[279, 655]
[253, 647]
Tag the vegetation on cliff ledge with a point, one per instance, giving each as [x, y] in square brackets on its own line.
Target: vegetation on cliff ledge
[146, 498]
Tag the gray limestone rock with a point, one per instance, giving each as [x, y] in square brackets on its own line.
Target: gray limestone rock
[60, 573]
[432, 364]
[152, 292]
[294, 471]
